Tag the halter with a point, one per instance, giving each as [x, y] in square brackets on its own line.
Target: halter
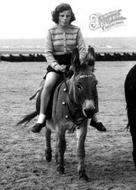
[85, 76]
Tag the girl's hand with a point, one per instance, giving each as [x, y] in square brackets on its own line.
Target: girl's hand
[61, 68]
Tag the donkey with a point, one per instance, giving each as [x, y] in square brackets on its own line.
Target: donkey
[130, 95]
[74, 101]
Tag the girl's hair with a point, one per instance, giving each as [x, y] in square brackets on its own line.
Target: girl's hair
[60, 8]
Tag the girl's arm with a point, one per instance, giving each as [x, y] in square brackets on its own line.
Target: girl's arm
[81, 46]
[49, 52]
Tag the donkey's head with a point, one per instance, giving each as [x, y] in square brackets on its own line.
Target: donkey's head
[83, 83]
[89, 59]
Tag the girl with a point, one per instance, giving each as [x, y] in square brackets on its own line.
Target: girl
[60, 42]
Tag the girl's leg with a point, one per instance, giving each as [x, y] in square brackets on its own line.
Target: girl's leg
[95, 121]
[48, 87]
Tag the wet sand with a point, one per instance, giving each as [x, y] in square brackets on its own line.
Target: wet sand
[23, 166]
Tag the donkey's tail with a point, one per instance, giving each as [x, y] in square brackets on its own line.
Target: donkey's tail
[28, 118]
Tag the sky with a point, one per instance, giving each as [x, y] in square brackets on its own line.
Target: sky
[32, 18]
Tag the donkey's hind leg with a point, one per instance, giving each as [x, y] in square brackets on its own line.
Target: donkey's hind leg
[48, 150]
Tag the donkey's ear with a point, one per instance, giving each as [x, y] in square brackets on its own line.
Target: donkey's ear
[91, 56]
[75, 61]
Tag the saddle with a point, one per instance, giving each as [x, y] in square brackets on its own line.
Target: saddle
[58, 84]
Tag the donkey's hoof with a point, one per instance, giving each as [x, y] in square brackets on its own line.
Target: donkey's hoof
[56, 158]
[60, 170]
[48, 155]
[83, 176]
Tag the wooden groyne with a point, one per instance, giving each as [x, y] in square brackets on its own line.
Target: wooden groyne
[115, 56]
[38, 56]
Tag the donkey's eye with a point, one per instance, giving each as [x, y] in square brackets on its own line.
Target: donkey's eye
[79, 86]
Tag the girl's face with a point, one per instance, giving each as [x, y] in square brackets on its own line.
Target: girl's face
[64, 18]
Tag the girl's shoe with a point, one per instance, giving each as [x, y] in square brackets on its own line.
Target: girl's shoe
[37, 127]
[98, 125]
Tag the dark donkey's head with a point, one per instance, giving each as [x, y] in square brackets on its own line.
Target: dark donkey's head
[83, 83]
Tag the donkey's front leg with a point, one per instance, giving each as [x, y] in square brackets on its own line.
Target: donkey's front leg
[133, 134]
[81, 136]
[48, 150]
[60, 150]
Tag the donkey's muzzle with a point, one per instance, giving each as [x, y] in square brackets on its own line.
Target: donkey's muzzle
[89, 108]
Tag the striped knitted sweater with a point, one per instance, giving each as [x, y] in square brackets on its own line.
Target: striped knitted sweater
[62, 41]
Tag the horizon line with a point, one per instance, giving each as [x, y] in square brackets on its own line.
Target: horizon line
[84, 38]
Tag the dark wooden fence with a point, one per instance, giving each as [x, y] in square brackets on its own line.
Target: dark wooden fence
[39, 57]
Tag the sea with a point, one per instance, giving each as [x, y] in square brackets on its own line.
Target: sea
[106, 44]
